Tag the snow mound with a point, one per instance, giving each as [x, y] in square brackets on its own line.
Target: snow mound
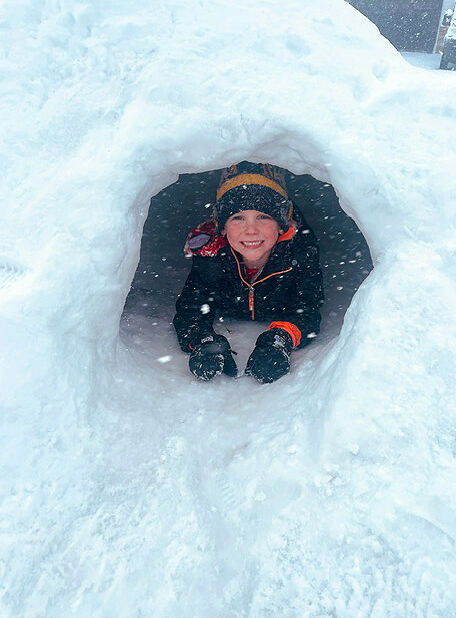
[127, 488]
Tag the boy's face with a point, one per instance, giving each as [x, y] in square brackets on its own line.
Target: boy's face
[252, 234]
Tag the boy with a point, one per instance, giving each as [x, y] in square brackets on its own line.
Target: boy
[257, 259]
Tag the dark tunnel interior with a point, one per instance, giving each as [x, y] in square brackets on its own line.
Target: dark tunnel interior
[344, 254]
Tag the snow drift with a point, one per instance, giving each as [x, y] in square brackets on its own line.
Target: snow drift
[129, 489]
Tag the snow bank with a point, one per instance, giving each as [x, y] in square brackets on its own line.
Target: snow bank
[129, 489]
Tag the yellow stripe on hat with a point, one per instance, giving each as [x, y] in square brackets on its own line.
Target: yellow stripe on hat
[250, 179]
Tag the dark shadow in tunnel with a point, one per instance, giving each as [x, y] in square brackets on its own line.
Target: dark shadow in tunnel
[344, 254]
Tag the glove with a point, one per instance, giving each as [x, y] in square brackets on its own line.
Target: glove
[270, 359]
[212, 357]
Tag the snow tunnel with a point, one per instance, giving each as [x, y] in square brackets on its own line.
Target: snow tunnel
[162, 269]
[130, 488]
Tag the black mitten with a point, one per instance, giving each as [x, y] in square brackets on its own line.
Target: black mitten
[270, 360]
[212, 357]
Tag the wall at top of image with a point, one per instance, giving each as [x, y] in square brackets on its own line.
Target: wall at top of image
[410, 25]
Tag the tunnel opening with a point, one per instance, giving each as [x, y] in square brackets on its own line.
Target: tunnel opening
[146, 323]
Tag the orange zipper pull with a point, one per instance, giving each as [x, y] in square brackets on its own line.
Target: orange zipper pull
[251, 301]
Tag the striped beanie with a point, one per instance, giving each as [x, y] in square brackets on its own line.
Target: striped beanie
[253, 186]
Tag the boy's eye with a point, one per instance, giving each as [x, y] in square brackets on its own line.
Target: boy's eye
[264, 217]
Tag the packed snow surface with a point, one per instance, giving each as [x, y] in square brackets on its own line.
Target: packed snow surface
[127, 487]
[421, 59]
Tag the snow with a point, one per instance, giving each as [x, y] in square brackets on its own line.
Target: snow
[421, 59]
[130, 489]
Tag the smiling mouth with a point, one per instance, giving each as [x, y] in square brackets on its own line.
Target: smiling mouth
[251, 244]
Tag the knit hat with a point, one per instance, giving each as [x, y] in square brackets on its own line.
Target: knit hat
[253, 186]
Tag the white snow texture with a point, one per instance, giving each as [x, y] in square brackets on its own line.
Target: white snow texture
[129, 489]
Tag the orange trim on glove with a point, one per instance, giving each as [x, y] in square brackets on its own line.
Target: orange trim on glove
[291, 329]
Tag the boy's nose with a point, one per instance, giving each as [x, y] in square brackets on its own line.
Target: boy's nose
[251, 227]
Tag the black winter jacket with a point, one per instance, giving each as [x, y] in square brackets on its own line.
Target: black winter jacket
[289, 288]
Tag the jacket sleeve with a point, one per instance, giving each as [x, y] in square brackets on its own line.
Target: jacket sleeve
[304, 297]
[195, 307]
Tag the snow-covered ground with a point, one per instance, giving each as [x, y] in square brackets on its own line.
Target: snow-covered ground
[127, 487]
[423, 60]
